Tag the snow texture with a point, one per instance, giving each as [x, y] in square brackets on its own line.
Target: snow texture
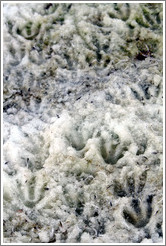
[83, 123]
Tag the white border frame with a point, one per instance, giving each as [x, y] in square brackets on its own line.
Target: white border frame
[163, 2]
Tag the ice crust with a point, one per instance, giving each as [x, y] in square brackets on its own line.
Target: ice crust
[83, 123]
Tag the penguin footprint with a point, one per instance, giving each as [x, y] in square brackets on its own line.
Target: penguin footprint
[138, 214]
[112, 150]
[31, 192]
[132, 187]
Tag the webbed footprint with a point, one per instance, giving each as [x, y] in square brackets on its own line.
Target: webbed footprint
[139, 215]
[112, 150]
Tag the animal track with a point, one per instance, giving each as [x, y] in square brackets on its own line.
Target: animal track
[112, 150]
[145, 91]
[76, 140]
[119, 13]
[130, 189]
[30, 193]
[29, 31]
[47, 8]
[137, 214]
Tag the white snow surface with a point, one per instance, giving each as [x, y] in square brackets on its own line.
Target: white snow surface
[83, 123]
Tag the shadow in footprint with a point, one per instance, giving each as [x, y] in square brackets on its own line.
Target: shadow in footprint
[137, 213]
[112, 150]
[75, 140]
[31, 194]
[136, 216]
[131, 188]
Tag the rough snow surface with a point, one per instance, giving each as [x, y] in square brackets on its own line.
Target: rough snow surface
[83, 130]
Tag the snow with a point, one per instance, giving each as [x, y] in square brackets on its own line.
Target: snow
[83, 123]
